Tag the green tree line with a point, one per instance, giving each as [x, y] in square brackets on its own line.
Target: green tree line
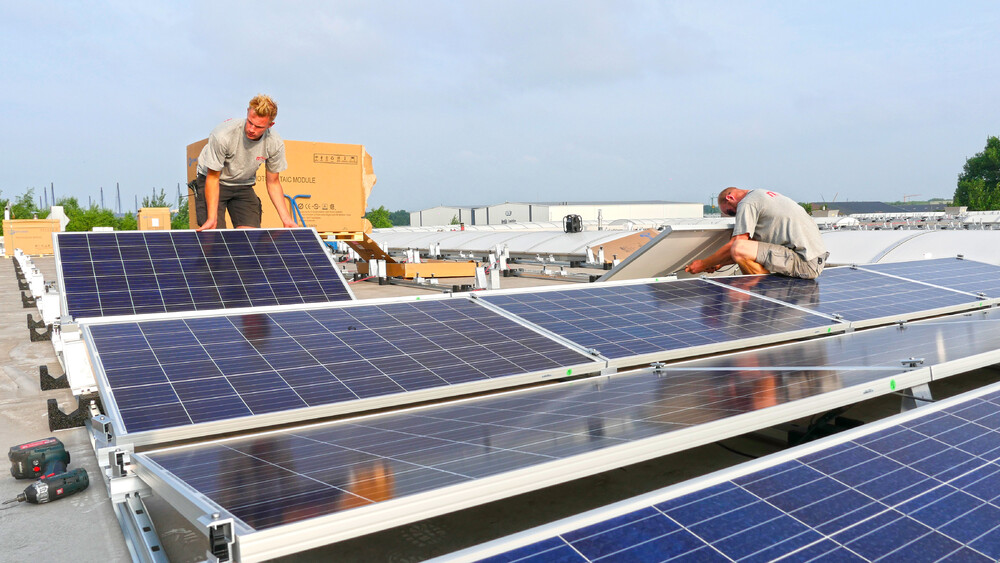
[382, 218]
[979, 182]
[83, 218]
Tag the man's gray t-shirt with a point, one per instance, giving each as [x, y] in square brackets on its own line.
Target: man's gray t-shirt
[771, 217]
[237, 157]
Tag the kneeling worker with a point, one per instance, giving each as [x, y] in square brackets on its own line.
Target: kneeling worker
[772, 234]
[227, 170]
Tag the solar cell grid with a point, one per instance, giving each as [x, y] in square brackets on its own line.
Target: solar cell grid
[176, 372]
[925, 489]
[856, 295]
[453, 444]
[630, 320]
[962, 275]
[126, 273]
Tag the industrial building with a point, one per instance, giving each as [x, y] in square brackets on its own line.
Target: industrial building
[528, 212]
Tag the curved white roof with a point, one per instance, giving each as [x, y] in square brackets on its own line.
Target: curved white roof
[863, 247]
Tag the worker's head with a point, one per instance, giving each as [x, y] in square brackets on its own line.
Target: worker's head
[729, 198]
[260, 116]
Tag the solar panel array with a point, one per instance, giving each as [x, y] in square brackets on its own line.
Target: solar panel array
[175, 372]
[962, 275]
[924, 489]
[630, 320]
[856, 295]
[433, 448]
[128, 273]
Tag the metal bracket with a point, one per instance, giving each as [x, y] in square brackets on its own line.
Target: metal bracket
[220, 537]
[103, 431]
[47, 382]
[658, 367]
[912, 362]
[913, 395]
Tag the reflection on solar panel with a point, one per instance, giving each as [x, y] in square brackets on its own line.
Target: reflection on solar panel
[170, 373]
[856, 295]
[936, 341]
[963, 275]
[629, 320]
[917, 487]
[126, 273]
[467, 449]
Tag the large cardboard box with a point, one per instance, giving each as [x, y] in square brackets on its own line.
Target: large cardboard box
[332, 182]
[154, 219]
[32, 236]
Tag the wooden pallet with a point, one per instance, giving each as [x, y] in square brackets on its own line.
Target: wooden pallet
[343, 235]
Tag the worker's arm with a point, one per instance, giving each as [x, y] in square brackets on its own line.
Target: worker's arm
[211, 200]
[278, 198]
[722, 257]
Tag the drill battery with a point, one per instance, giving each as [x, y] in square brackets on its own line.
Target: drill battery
[38, 459]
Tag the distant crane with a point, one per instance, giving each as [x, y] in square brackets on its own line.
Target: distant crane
[910, 196]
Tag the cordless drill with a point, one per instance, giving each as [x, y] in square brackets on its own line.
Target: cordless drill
[54, 487]
[45, 460]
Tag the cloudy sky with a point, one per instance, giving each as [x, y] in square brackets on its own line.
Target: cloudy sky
[480, 102]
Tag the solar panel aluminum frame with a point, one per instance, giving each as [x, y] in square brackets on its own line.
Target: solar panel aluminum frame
[627, 506]
[254, 545]
[835, 327]
[258, 421]
[64, 305]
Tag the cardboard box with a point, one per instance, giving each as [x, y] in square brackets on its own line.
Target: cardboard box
[336, 178]
[32, 236]
[154, 219]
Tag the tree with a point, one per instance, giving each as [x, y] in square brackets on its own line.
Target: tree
[400, 218]
[454, 220]
[979, 183]
[180, 219]
[379, 218]
[157, 200]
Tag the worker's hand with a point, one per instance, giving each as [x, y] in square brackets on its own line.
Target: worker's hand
[289, 223]
[208, 224]
[695, 267]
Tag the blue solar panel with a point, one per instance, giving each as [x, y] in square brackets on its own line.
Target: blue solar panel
[628, 320]
[126, 273]
[926, 488]
[962, 275]
[856, 295]
[427, 450]
[169, 373]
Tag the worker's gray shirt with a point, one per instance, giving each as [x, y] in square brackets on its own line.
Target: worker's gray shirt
[771, 217]
[230, 152]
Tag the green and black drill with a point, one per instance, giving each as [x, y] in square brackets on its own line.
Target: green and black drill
[45, 460]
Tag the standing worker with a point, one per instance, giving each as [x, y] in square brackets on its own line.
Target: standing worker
[772, 234]
[227, 170]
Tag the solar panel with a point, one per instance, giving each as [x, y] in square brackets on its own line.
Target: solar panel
[922, 486]
[431, 460]
[962, 275]
[128, 273]
[652, 318]
[858, 296]
[173, 373]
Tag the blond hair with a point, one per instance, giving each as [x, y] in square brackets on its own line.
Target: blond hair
[264, 106]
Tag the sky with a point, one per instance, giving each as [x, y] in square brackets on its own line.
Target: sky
[481, 102]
